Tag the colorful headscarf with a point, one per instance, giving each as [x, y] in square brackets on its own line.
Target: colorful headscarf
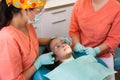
[25, 4]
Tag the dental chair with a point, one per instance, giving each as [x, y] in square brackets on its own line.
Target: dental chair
[39, 75]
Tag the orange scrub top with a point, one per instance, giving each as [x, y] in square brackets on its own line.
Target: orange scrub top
[17, 52]
[96, 27]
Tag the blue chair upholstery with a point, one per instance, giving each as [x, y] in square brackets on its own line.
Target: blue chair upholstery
[39, 75]
[117, 58]
[117, 62]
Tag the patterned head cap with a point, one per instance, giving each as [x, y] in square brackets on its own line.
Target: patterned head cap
[26, 4]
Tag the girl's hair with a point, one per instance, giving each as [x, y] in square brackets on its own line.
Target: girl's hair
[6, 13]
[47, 49]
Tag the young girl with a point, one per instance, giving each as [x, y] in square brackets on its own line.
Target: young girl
[66, 64]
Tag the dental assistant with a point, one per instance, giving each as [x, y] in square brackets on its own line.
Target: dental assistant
[96, 25]
[19, 45]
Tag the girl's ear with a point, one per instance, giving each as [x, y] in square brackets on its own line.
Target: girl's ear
[56, 59]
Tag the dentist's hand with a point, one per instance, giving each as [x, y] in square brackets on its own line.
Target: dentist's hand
[79, 48]
[92, 51]
[44, 59]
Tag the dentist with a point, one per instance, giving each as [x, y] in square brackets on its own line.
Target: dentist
[19, 45]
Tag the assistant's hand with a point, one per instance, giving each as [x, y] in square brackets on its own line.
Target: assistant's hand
[93, 51]
[79, 48]
[44, 59]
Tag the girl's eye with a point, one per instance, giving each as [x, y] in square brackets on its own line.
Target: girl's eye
[56, 47]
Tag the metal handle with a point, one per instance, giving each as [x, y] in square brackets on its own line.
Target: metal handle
[59, 12]
[58, 21]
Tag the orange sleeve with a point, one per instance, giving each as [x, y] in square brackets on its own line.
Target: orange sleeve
[74, 27]
[113, 38]
[10, 59]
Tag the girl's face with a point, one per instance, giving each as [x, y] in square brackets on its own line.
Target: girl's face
[61, 49]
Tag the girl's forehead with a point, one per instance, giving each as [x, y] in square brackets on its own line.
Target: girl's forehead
[54, 42]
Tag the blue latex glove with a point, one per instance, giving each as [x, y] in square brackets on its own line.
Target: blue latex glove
[93, 51]
[44, 59]
[66, 39]
[79, 48]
